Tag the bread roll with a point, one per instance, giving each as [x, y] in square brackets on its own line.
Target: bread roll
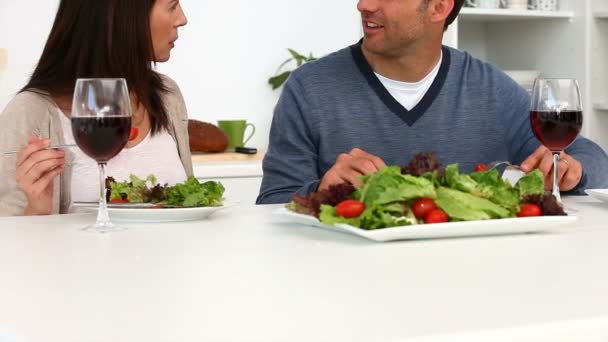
[205, 137]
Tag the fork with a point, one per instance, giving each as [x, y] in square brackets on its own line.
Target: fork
[511, 173]
[498, 163]
[47, 148]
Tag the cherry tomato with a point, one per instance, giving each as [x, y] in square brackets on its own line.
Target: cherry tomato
[422, 207]
[119, 200]
[134, 133]
[528, 210]
[436, 216]
[350, 208]
[481, 167]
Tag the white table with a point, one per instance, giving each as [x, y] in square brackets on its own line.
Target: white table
[241, 277]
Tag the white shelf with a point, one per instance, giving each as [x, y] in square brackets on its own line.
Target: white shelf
[600, 106]
[601, 14]
[501, 14]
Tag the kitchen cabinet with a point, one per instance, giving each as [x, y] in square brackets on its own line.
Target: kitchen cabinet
[598, 55]
[569, 43]
[240, 174]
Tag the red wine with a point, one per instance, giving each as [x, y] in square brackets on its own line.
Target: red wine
[101, 138]
[556, 130]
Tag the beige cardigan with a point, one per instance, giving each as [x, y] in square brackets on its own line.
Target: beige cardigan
[33, 113]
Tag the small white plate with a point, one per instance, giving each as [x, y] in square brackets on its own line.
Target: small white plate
[439, 230]
[161, 214]
[598, 194]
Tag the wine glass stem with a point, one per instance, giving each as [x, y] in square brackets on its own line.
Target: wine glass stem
[103, 218]
[555, 191]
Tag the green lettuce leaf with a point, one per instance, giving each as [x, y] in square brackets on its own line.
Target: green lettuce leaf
[387, 195]
[192, 193]
[388, 215]
[497, 189]
[388, 185]
[374, 217]
[460, 205]
[328, 216]
[136, 189]
[488, 185]
[532, 183]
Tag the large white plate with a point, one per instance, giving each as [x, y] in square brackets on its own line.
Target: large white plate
[599, 194]
[161, 215]
[439, 230]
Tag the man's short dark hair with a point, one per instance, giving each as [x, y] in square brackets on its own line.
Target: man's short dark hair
[450, 19]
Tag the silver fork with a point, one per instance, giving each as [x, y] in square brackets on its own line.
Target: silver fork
[512, 173]
[56, 147]
[498, 163]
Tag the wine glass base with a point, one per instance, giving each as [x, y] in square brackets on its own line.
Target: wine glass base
[103, 228]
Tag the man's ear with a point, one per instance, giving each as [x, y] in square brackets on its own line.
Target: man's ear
[439, 10]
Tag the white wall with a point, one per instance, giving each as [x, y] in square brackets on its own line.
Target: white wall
[223, 57]
[230, 48]
[23, 32]
[473, 38]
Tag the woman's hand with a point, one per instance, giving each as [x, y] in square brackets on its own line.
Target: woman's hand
[35, 170]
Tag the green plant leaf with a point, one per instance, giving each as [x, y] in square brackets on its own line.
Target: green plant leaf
[280, 77]
[297, 56]
[277, 81]
[283, 64]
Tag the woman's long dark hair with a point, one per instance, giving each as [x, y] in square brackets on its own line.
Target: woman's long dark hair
[102, 38]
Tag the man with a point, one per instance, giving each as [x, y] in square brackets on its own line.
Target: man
[399, 92]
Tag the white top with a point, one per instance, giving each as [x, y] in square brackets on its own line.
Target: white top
[409, 94]
[155, 155]
[241, 276]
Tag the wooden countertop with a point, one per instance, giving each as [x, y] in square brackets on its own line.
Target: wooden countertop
[226, 157]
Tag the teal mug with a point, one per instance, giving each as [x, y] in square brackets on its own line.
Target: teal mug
[235, 130]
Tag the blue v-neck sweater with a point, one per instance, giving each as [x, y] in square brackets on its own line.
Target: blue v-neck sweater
[473, 113]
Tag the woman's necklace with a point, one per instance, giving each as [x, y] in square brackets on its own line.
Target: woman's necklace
[134, 129]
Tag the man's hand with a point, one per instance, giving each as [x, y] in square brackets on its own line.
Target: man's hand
[570, 169]
[350, 166]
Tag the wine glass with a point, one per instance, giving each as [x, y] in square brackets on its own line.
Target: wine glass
[101, 124]
[556, 116]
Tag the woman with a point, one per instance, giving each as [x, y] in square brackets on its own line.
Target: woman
[92, 38]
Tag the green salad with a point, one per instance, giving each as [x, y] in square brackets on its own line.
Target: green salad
[393, 197]
[190, 193]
